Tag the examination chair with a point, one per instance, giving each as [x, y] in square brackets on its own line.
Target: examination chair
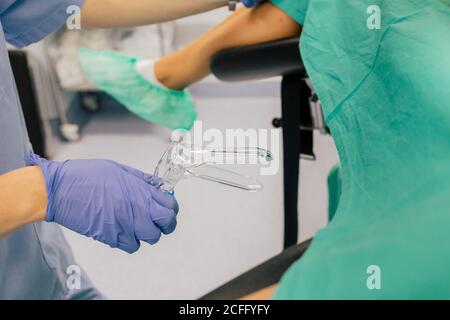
[301, 115]
[300, 109]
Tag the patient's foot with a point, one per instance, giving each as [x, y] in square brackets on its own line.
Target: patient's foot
[163, 72]
[171, 73]
[181, 69]
[146, 68]
[167, 72]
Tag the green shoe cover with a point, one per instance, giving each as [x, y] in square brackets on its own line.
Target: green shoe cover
[115, 73]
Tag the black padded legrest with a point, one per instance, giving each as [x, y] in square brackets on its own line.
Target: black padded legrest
[260, 277]
[261, 61]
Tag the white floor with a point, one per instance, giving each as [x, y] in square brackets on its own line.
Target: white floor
[222, 232]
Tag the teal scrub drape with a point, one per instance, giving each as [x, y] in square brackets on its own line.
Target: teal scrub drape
[386, 98]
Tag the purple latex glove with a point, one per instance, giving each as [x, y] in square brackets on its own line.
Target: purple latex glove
[251, 3]
[107, 201]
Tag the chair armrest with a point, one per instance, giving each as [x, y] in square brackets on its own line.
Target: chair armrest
[271, 59]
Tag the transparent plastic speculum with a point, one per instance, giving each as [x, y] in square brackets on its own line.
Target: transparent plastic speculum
[182, 161]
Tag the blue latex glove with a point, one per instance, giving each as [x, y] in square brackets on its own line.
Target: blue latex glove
[107, 201]
[251, 3]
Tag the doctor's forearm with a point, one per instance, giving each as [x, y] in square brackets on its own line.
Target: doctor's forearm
[120, 13]
[23, 198]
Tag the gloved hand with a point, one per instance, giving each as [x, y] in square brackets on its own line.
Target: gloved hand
[251, 3]
[107, 201]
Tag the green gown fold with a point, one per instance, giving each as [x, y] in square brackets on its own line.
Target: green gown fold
[386, 98]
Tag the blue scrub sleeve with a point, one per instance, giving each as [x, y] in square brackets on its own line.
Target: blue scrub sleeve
[28, 21]
[296, 9]
[5, 4]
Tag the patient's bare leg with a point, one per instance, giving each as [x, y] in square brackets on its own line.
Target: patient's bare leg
[245, 27]
[264, 294]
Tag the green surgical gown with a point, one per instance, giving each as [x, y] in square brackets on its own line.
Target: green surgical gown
[385, 88]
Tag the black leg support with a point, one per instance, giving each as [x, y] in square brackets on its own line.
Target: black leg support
[295, 114]
[260, 277]
[290, 100]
